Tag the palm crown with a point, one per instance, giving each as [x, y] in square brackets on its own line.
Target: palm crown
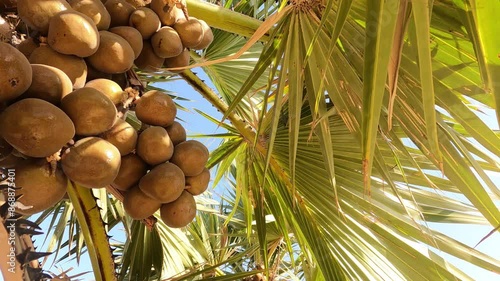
[347, 127]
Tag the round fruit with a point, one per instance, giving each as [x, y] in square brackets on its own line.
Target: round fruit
[73, 33]
[136, 3]
[16, 73]
[208, 36]
[167, 43]
[91, 111]
[180, 212]
[37, 13]
[91, 162]
[110, 88]
[49, 84]
[73, 66]
[132, 169]
[119, 11]
[168, 15]
[156, 108]
[154, 145]
[27, 47]
[133, 37]
[164, 183]
[148, 60]
[176, 132]
[41, 186]
[123, 136]
[95, 10]
[138, 205]
[114, 55]
[190, 31]
[191, 156]
[181, 60]
[35, 127]
[145, 21]
[196, 185]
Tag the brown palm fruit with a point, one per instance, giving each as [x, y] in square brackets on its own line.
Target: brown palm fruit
[73, 66]
[132, 169]
[166, 43]
[137, 3]
[123, 136]
[154, 145]
[110, 88]
[120, 11]
[95, 10]
[179, 213]
[73, 33]
[16, 73]
[133, 37]
[36, 128]
[41, 186]
[114, 55]
[156, 108]
[27, 47]
[138, 205]
[191, 156]
[196, 185]
[92, 162]
[145, 21]
[148, 60]
[168, 15]
[181, 60]
[49, 83]
[208, 36]
[37, 13]
[190, 31]
[164, 183]
[176, 132]
[91, 111]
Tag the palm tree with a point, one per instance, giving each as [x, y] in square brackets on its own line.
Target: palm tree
[349, 126]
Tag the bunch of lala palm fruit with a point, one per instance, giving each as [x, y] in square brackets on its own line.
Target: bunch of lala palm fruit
[64, 98]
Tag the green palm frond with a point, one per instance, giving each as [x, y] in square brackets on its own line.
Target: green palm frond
[313, 163]
[350, 129]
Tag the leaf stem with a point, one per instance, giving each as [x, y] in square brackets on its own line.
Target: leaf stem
[94, 231]
[244, 129]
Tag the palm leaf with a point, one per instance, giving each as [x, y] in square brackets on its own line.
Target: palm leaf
[310, 110]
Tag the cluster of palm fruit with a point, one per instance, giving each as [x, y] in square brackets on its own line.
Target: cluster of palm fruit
[62, 101]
